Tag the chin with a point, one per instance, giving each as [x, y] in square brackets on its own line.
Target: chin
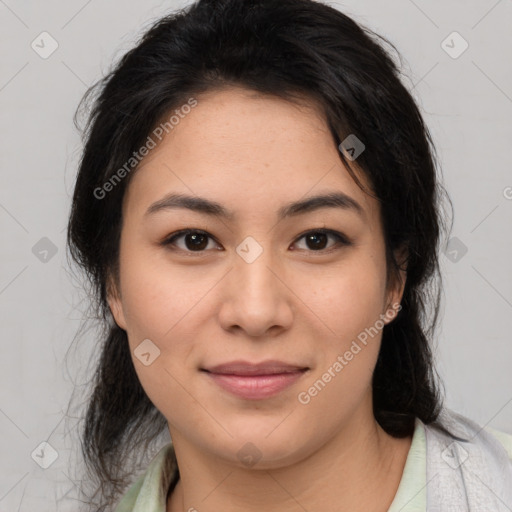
[263, 446]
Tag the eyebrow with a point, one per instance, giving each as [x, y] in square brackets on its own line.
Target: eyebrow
[214, 209]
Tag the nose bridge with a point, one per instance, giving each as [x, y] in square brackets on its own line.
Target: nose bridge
[253, 270]
[257, 299]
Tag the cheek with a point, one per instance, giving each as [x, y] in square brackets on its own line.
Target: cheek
[159, 298]
[161, 304]
[347, 299]
[350, 306]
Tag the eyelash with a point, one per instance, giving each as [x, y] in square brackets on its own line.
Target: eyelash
[342, 240]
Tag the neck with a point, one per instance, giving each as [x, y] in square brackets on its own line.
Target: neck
[359, 468]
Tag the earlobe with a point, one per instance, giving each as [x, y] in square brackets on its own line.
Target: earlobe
[398, 285]
[115, 305]
[117, 312]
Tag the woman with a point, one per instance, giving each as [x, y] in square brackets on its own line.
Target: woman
[258, 210]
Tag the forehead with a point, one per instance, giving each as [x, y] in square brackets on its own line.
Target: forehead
[246, 149]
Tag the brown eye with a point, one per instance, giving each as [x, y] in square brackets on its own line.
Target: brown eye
[193, 240]
[317, 241]
[196, 241]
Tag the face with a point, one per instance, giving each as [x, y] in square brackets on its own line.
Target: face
[255, 280]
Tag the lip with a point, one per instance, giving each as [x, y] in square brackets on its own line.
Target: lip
[269, 367]
[255, 381]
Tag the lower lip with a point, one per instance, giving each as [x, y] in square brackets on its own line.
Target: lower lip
[255, 387]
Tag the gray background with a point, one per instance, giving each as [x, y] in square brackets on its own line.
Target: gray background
[467, 103]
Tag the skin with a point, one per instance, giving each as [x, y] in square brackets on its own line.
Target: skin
[253, 154]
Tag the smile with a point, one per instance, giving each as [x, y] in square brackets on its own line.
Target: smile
[254, 383]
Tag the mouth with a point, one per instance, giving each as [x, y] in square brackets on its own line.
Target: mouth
[255, 381]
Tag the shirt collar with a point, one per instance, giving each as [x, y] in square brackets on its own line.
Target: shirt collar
[149, 492]
[411, 494]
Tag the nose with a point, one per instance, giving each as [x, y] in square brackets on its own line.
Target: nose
[256, 297]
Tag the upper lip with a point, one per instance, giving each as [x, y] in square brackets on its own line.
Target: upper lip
[270, 367]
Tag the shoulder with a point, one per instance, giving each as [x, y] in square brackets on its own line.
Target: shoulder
[130, 497]
[150, 489]
[456, 427]
[473, 464]
[504, 438]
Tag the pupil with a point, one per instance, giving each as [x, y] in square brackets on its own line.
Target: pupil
[196, 238]
[315, 239]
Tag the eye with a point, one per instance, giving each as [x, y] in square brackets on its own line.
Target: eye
[196, 240]
[316, 240]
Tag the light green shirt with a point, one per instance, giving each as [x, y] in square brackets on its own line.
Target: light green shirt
[149, 492]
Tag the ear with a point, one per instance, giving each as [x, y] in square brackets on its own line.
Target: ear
[115, 303]
[396, 285]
